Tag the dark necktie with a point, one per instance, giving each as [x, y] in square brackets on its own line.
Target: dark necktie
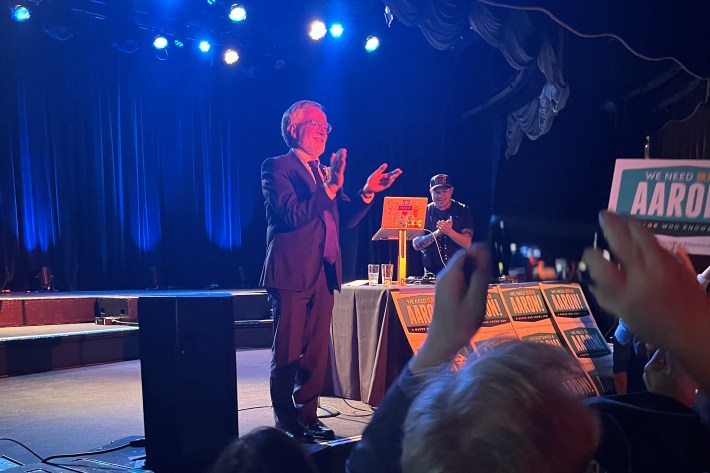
[330, 252]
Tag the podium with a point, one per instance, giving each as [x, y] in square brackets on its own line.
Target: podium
[402, 220]
[402, 235]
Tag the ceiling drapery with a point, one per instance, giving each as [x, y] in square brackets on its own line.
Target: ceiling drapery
[530, 36]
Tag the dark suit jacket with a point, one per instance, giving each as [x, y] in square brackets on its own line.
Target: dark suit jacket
[295, 234]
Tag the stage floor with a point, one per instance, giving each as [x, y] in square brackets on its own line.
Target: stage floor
[81, 409]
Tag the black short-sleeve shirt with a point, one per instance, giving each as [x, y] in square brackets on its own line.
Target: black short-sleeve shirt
[461, 217]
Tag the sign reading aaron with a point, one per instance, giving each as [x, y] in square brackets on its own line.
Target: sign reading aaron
[671, 196]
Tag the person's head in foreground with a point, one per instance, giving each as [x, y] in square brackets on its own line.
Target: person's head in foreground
[264, 450]
[507, 411]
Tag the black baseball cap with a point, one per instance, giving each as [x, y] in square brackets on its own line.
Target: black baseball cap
[440, 180]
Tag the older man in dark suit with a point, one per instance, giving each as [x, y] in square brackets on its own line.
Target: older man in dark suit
[305, 206]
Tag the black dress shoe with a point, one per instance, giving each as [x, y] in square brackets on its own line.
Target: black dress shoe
[296, 431]
[319, 430]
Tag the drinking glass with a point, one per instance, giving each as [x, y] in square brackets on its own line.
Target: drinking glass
[373, 274]
[387, 270]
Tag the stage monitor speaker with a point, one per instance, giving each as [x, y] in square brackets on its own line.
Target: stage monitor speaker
[118, 307]
[188, 373]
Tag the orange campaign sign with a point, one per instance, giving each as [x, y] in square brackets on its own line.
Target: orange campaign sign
[497, 326]
[414, 311]
[556, 314]
[579, 332]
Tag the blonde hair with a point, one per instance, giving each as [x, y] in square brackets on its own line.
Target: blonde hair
[507, 411]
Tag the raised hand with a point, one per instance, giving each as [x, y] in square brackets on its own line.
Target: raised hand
[663, 375]
[656, 294]
[648, 286]
[336, 178]
[380, 180]
[459, 307]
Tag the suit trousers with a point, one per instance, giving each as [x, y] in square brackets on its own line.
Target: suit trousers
[299, 354]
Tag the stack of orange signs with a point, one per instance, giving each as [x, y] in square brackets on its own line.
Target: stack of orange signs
[414, 310]
[531, 321]
[528, 313]
[497, 325]
[580, 333]
[520, 311]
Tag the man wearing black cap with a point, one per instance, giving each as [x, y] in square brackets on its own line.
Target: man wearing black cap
[450, 223]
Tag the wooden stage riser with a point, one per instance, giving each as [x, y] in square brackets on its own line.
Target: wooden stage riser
[67, 310]
[48, 353]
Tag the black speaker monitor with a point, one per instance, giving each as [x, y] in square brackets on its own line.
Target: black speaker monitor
[188, 373]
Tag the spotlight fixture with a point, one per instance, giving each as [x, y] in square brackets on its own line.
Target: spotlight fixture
[237, 13]
[372, 43]
[336, 30]
[231, 56]
[19, 13]
[160, 42]
[318, 30]
[57, 20]
[204, 46]
[125, 45]
[178, 43]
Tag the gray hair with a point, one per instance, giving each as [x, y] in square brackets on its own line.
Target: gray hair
[292, 115]
[508, 411]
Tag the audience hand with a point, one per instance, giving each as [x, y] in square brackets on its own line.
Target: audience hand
[681, 254]
[663, 375]
[380, 180]
[459, 307]
[656, 294]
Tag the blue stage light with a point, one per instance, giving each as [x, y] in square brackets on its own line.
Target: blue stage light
[20, 13]
[237, 13]
[372, 44]
[204, 46]
[178, 43]
[336, 30]
[160, 42]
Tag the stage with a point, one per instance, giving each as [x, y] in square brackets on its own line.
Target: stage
[41, 331]
[71, 385]
[80, 409]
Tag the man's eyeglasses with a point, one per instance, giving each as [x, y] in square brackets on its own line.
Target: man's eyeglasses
[321, 125]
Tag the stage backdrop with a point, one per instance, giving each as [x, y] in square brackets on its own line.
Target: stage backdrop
[126, 171]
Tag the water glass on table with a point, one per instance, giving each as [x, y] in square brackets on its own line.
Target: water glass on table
[373, 274]
[387, 271]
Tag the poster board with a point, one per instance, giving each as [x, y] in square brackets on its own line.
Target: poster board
[520, 311]
[671, 197]
[496, 322]
[579, 332]
[414, 311]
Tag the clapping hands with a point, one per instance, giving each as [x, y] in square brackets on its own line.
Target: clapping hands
[380, 180]
[336, 178]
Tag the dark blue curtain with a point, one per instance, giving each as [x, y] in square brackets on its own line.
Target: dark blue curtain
[114, 164]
